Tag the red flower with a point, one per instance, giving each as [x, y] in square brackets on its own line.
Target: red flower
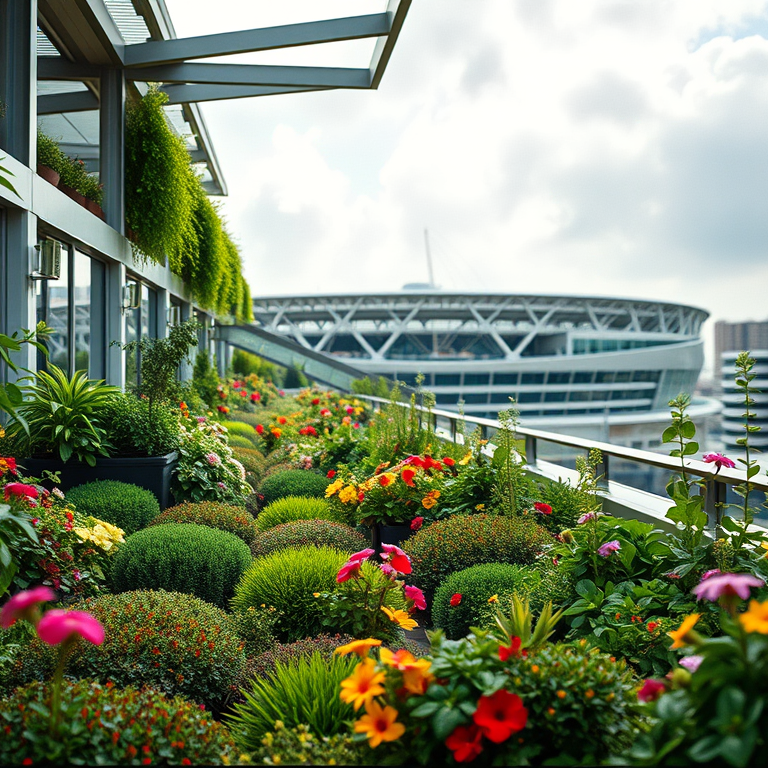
[384, 480]
[408, 474]
[455, 599]
[360, 497]
[348, 571]
[415, 461]
[416, 523]
[255, 396]
[222, 409]
[652, 625]
[281, 419]
[259, 429]
[236, 384]
[10, 463]
[325, 412]
[448, 461]
[316, 401]
[651, 690]
[500, 715]
[545, 509]
[331, 474]
[397, 558]
[20, 491]
[465, 743]
[512, 650]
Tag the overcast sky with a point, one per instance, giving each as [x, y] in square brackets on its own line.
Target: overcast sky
[608, 147]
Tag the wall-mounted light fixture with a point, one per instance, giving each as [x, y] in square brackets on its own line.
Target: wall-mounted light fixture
[131, 295]
[48, 253]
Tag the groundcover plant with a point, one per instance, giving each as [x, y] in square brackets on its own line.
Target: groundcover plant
[328, 535]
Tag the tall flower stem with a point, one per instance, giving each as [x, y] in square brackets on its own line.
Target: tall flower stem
[58, 678]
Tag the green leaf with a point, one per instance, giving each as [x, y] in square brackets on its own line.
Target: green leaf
[669, 434]
[445, 721]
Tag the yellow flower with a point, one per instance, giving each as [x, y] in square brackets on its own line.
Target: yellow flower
[362, 685]
[333, 487]
[428, 502]
[379, 724]
[82, 533]
[401, 618]
[466, 459]
[348, 494]
[680, 636]
[493, 599]
[360, 647]
[479, 507]
[315, 594]
[756, 618]
[112, 530]
[764, 545]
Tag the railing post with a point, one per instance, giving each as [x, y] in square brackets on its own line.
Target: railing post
[454, 430]
[483, 432]
[714, 503]
[530, 450]
[602, 471]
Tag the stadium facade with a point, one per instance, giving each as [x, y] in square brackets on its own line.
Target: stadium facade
[600, 367]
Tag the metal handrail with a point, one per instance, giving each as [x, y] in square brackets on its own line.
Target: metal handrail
[716, 481]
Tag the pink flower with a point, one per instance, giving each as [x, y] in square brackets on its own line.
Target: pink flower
[415, 594]
[607, 549]
[651, 690]
[585, 517]
[363, 554]
[713, 572]
[356, 425]
[691, 663]
[221, 485]
[76, 575]
[200, 419]
[20, 491]
[23, 604]
[348, 571]
[213, 459]
[397, 558]
[416, 523]
[58, 626]
[545, 509]
[718, 460]
[349, 409]
[388, 570]
[281, 393]
[726, 585]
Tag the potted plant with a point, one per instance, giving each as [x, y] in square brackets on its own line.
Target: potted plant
[50, 159]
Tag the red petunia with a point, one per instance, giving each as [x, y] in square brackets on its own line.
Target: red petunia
[316, 401]
[20, 491]
[281, 419]
[448, 461]
[259, 429]
[652, 625]
[651, 690]
[455, 599]
[465, 743]
[500, 715]
[416, 523]
[545, 509]
[331, 474]
[513, 649]
[397, 558]
[385, 480]
[408, 474]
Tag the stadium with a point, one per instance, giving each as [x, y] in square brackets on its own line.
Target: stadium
[599, 367]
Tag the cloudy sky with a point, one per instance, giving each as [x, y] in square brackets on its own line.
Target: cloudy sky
[608, 147]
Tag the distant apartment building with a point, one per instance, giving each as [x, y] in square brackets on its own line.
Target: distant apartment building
[733, 401]
[736, 337]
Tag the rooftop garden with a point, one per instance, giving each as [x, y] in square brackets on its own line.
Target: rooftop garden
[333, 583]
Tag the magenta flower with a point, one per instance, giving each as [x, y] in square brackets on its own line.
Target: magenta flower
[57, 626]
[415, 594]
[23, 605]
[726, 585]
[397, 558]
[20, 491]
[543, 508]
[691, 663]
[585, 517]
[388, 570]
[713, 572]
[607, 549]
[416, 523]
[718, 460]
[363, 554]
[651, 690]
[348, 571]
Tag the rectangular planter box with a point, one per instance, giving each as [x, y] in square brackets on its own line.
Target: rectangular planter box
[153, 473]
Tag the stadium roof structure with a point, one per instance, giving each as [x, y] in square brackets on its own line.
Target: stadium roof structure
[79, 39]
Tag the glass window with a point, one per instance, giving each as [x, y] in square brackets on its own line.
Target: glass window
[81, 301]
[475, 398]
[501, 397]
[532, 378]
[530, 397]
[447, 379]
[583, 377]
[623, 376]
[476, 379]
[57, 311]
[506, 378]
[555, 397]
[604, 377]
[559, 378]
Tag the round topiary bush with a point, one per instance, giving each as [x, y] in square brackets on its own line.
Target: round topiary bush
[463, 540]
[308, 533]
[287, 580]
[125, 505]
[182, 557]
[254, 462]
[214, 514]
[476, 585]
[176, 643]
[292, 508]
[293, 482]
[104, 725]
[264, 663]
[238, 441]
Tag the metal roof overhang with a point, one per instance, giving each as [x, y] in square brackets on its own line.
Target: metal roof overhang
[89, 39]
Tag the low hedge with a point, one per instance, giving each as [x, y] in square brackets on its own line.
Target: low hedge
[293, 482]
[176, 643]
[459, 541]
[292, 508]
[238, 441]
[308, 533]
[243, 430]
[214, 514]
[123, 504]
[104, 725]
[182, 557]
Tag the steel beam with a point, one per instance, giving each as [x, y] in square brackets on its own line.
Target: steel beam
[185, 94]
[56, 103]
[59, 68]
[252, 74]
[397, 10]
[246, 41]
[112, 147]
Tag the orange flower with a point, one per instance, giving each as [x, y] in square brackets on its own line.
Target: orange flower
[379, 724]
[681, 636]
[386, 479]
[362, 685]
[756, 618]
[416, 674]
[430, 499]
[401, 618]
[360, 647]
[276, 432]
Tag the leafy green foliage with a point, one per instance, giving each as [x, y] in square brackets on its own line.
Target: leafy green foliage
[72, 171]
[15, 526]
[297, 745]
[287, 580]
[5, 181]
[205, 380]
[243, 430]
[132, 432]
[264, 663]
[63, 415]
[123, 504]
[463, 540]
[308, 533]
[302, 691]
[255, 627]
[103, 725]
[291, 508]
[214, 514]
[182, 557]
[293, 482]
[476, 585]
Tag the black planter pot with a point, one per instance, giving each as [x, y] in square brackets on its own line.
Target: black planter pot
[381, 533]
[153, 472]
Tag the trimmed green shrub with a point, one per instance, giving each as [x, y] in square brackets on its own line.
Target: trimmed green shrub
[255, 627]
[299, 746]
[103, 725]
[242, 430]
[476, 585]
[238, 441]
[308, 533]
[123, 504]
[126, 420]
[303, 691]
[176, 643]
[291, 508]
[255, 464]
[214, 514]
[182, 557]
[462, 540]
[264, 663]
[287, 580]
[293, 482]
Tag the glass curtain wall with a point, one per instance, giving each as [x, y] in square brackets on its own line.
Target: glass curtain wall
[140, 322]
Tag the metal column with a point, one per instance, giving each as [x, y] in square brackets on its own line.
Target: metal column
[115, 280]
[112, 146]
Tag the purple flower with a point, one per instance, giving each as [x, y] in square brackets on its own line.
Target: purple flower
[726, 585]
[583, 519]
[607, 549]
[691, 663]
[718, 460]
[713, 572]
